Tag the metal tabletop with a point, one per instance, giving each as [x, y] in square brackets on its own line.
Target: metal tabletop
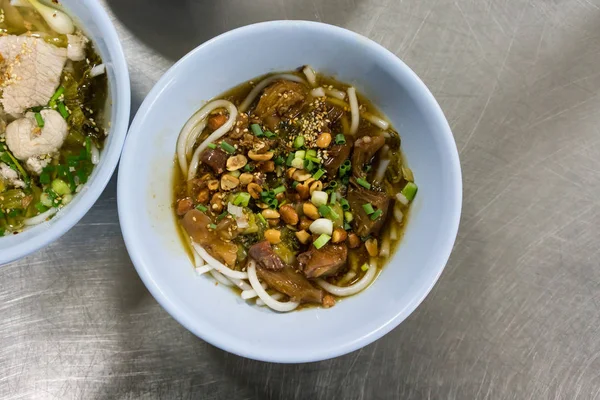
[516, 313]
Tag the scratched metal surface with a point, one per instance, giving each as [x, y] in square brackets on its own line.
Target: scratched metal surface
[514, 316]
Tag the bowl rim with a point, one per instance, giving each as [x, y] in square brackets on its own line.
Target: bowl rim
[64, 221]
[210, 335]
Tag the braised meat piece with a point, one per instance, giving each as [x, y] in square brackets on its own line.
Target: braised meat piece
[337, 154]
[264, 255]
[196, 224]
[363, 224]
[215, 158]
[293, 283]
[364, 150]
[325, 261]
[282, 99]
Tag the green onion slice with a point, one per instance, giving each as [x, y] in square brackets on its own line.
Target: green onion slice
[322, 241]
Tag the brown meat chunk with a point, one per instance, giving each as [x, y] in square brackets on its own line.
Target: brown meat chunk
[184, 205]
[215, 158]
[293, 283]
[282, 99]
[337, 154]
[216, 121]
[264, 255]
[362, 223]
[196, 224]
[364, 150]
[326, 261]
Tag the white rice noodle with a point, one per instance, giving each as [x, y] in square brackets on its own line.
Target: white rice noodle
[275, 296]
[203, 269]
[375, 120]
[263, 84]
[363, 283]
[402, 199]
[381, 168]
[221, 278]
[398, 213]
[318, 92]
[393, 232]
[347, 278]
[353, 110]
[98, 70]
[38, 219]
[251, 293]
[387, 135]
[384, 248]
[338, 94]
[220, 267]
[194, 127]
[226, 127]
[311, 77]
[266, 297]
[95, 155]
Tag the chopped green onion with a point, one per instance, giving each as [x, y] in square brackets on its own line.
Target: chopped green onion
[279, 189]
[298, 142]
[365, 267]
[222, 215]
[345, 167]
[39, 119]
[201, 207]
[313, 159]
[40, 207]
[212, 226]
[309, 165]
[363, 183]
[282, 203]
[212, 146]
[311, 153]
[348, 216]
[227, 147]
[321, 241]
[279, 160]
[258, 132]
[332, 185]
[55, 96]
[289, 159]
[270, 135]
[62, 109]
[261, 218]
[319, 174]
[300, 154]
[60, 187]
[368, 207]
[346, 180]
[273, 203]
[298, 163]
[409, 191]
[340, 138]
[347, 226]
[333, 198]
[248, 167]
[376, 215]
[295, 183]
[242, 199]
[327, 212]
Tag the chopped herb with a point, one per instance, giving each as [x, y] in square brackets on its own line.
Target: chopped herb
[319, 174]
[88, 148]
[409, 191]
[62, 109]
[212, 226]
[327, 212]
[333, 198]
[345, 167]
[313, 159]
[309, 165]
[295, 183]
[368, 207]
[376, 215]
[212, 146]
[299, 142]
[311, 153]
[300, 154]
[40, 207]
[248, 167]
[242, 199]
[363, 183]
[321, 241]
[290, 159]
[55, 96]
[279, 160]
[365, 267]
[227, 147]
[345, 205]
[347, 226]
[201, 207]
[279, 189]
[222, 215]
[270, 135]
[340, 138]
[261, 218]
[332, 185]
[39, 119]
[258, 132]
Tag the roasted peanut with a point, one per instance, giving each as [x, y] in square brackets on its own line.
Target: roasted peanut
[246, 178]
[324, 140]
[303, 236]
[273, 236]
[254, 190]
[273, 223]
[213, 185]
[339, 235]
[236, 162]
[270, 214]
[303, 191]
[353, 241]
[202, 196]
[316, 185]
[229, 182]
[371, 246]
[289, 214]
[310, 210]
[301, 175]
[260, 157]
[216, 203]
[290, 172]
[184, 205]
[305, 223]
[328, 301]
[266, 166]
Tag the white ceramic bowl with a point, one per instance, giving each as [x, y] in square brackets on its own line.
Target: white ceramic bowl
[213, 312]
[94, 20]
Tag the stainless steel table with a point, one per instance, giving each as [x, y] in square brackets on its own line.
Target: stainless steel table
[516, 313]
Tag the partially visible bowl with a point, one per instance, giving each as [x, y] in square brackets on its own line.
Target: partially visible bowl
[214, 313]
[92, 18]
